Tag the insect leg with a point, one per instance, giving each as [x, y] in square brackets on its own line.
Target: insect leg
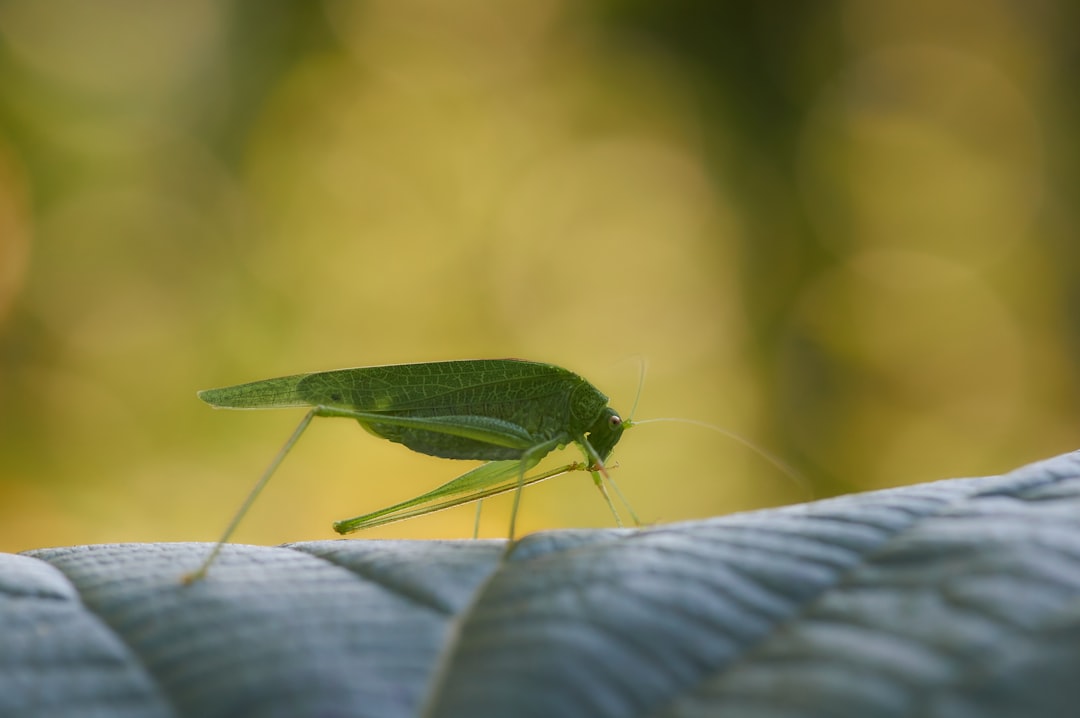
[476, 428]
[529, 458]
[490, 479]
[600, 474]
[259, 485]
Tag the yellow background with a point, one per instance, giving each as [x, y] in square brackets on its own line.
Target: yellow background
[845, 230]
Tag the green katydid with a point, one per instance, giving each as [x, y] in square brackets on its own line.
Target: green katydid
[508, 412]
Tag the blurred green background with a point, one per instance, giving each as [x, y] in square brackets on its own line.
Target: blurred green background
[845, 229]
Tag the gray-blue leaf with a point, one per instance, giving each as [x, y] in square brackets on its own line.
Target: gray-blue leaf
[952, 599]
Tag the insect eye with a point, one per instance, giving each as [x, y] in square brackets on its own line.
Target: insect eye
[614, 421]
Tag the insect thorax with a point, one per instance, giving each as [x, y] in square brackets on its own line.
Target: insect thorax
[586, 404]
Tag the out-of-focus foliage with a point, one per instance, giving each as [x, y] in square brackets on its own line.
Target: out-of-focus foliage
[845, 229]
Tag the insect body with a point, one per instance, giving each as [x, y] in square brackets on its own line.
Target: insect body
[508, 412]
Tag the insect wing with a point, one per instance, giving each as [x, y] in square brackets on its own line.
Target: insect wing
[439, 388]
[278, 393]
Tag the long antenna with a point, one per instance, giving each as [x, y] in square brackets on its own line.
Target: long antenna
[786, 469]
[642, 366]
